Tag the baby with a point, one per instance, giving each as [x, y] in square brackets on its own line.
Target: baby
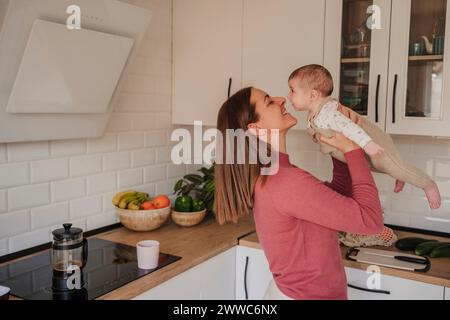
[311, 87]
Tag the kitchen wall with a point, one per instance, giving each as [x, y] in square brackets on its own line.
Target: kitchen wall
[44, 184]
[409, 208]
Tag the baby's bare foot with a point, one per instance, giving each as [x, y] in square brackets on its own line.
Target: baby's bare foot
[399, 186]
[433, 195]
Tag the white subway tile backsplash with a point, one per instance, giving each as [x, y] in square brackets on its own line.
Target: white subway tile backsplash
[165, 187]
[442, 169]
[116, 161]
[130, 178]
[397, 218]
[142, 158]
[48, 170]
[84, 207]
[3, 153]
[24, 151]
[431, 223]
[101, 220]
[429, 147]
[68, 189]
[101, 183]
[29, 239]
[68, 147]
[155, 173]
[150, 188]
[444, 188]
[156, 138]
[3, 202]
[412, 204]
[107, 204]
[140, 123]
[28, 196]
[47, 216]
[175, 171]
[131, 140]
[14, 174]
[3, 247]
[107, 143]
[85, 165]
[163, 154]
[14, 222]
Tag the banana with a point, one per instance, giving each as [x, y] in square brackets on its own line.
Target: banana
[127, 199]
[118, 196]
[134, 205]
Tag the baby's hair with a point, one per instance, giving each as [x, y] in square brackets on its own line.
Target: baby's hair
[316, 77]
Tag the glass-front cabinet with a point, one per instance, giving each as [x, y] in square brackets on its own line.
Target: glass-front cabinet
[392, 62]
[418, 68]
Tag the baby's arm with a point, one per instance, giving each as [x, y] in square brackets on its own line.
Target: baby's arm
[335, 120]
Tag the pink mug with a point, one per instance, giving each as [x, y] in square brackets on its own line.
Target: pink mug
[147, 254]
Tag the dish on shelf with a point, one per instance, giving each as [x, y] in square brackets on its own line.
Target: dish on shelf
[356, 75]
[355, 89]
[357, 50]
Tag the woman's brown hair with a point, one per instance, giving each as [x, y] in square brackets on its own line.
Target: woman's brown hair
[235, 183]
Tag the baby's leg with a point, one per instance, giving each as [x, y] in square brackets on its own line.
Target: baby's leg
[391, 163]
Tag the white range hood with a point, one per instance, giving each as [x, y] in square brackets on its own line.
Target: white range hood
[57, 83]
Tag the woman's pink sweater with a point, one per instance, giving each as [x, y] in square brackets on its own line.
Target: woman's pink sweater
[297, 218]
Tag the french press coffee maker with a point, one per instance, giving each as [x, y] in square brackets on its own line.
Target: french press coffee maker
[69, 256]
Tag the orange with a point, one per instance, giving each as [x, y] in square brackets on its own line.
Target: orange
[161, 201]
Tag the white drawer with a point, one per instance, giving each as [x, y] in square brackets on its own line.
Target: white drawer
[391, 288]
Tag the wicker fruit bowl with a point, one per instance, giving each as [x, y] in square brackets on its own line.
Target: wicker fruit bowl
[143, 220]
[188, 219]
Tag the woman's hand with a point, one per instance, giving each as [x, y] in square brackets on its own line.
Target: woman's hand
[340, 142]
[349, 113]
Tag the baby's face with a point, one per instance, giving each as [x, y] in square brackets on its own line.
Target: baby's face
[298, 96]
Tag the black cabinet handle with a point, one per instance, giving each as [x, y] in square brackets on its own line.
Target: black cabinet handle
[394, 97]
[230, 81]
[245, 278]
[377, 97]
[368, 290]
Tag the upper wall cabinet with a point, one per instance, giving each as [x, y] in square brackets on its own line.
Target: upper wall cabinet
[218, 40]
[279, 37]
[390, 62]
[207, 57]
[419, 68]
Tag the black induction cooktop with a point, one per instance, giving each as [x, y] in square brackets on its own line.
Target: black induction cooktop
[110, 265]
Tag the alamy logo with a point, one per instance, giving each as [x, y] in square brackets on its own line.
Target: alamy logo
[74, 280]
[374, 21]
[374, 280]
[74, 20]
[237, 147]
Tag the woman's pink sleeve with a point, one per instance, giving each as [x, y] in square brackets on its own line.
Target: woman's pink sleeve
[341, 178]
[299, 194]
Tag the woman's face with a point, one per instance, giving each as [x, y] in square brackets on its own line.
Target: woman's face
[272, 112]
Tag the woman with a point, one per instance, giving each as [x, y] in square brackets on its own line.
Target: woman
[297, 217]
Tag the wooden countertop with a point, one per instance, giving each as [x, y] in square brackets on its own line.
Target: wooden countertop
[194, 245]
[439, 273]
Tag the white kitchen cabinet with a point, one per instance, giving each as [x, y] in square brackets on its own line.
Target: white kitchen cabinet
[391, 288]
[213, 279]
[207, 53]
[252, 273]
[417, 98]
[399, 89]
[254, 42]
[279, 37]
[447, 293]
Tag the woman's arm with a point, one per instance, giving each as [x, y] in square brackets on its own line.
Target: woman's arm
[300, 195]
[341, 178]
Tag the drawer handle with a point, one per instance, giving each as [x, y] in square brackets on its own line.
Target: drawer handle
[245, 278]
[368, 290]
